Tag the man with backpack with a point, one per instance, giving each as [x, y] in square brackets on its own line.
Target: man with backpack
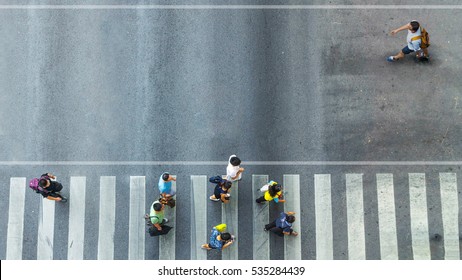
[48, 187]
[418, 41]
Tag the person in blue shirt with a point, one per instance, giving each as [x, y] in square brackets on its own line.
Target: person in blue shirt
[282, 225]
[218, 240]
[165, 189]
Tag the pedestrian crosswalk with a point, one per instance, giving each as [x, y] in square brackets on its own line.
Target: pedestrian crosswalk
[257, 242]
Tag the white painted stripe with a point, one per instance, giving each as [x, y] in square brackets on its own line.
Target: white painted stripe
[76, 218]
[229, 217]
[450, 211]
[419, 216]
[199, 231]
[323, 207]
[15, 233]
[107, 204]
[387, 217]
[230, 7]
[46, 229]
[292, 244]
[220, 163]
[137, 224]
[355, 217]
[167, 242]
[261, 247]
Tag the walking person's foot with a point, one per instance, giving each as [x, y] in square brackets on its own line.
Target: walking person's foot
[391, 59]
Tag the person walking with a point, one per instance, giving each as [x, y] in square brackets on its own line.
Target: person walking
[48, 187]
[156, 219]
[221, 191]
[165, 189]
[282, 225]
[218, 240]
[417, 41]
[272, 191]
[233, 170]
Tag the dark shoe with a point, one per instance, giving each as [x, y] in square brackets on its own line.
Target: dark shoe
[63, 199]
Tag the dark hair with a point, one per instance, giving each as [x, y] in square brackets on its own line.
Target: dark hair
[157, 206]
[225, 236]
[290, 219]
[415, 25]
[274, 189]
[227, 184]
[235, 161]
[42, 183]
[165, 176]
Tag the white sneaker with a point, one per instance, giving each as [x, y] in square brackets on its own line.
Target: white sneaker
[213, 199]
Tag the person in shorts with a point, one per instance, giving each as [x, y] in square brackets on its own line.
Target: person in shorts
[414, 41]
[218, 241]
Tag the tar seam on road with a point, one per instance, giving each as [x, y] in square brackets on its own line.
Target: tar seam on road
[218, 163]
[230, 7]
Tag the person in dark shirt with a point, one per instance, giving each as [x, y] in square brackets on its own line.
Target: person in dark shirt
[51, 188]
[282, 225]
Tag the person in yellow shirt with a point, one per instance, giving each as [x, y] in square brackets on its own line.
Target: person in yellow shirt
[274, 192]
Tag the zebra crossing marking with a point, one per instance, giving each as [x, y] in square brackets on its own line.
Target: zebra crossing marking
[229, 216]
[419, 216]
[136, 230]
[355, 217]
[292, 244]
[167, 242]
[107, 200]
[15, 233]
[387, 217]
[199, 232]
[323, 206]
[46, 231]
[450, 212]
[261, 247]
[76, 219]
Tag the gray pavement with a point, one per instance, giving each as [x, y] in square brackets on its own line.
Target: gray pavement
[199, 85]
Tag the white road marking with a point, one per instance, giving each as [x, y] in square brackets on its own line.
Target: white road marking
[450, 211]
[137, 223]
[15, 233]
[292, 244]
[221, 163]
[229, 216]
[387, 217]
[76, 202]
[355, 217]
[323, 206]
[107, 205]
[167, 242]
[419, 216]
[261, 247]
[230, 7]
[46, 229]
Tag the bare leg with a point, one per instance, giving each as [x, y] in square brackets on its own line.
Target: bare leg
[399, 55]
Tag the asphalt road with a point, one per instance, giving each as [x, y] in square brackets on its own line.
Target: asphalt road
[199, 85]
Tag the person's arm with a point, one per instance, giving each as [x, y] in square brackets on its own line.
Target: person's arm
[54, 198]
[404, 27]
[238, 173]
[293, 232]
[227, 244]
[290, 213]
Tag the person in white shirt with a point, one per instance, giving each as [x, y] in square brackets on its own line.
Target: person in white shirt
[234, 171]
[414, 40]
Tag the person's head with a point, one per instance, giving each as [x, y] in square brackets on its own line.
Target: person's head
[165, 176]
[226, 185]
[414, 26]
[290, 219]
[235, 161]
[225, 236]
[274, 189]
[43, 183]
[158, 206]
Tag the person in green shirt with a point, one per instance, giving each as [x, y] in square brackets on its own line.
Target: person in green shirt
[157, 215]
